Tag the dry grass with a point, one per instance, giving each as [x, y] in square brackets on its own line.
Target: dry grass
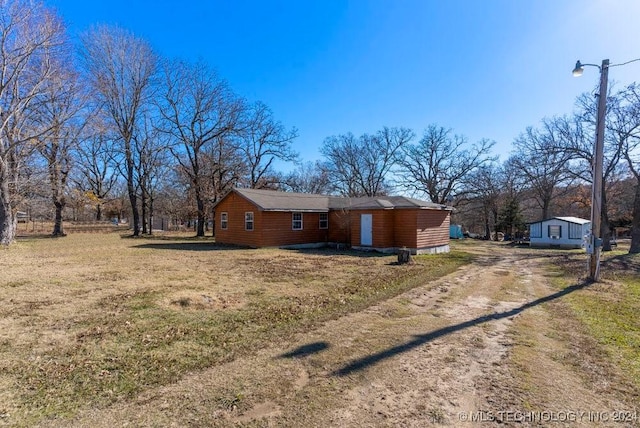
[93, 319]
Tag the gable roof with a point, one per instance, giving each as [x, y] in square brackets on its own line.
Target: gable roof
[576, 220]
[392, 202]
[272, 200]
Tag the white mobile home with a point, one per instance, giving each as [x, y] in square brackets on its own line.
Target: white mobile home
[559, 232]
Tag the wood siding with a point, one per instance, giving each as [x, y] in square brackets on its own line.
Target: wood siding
[433, 228]
[339, 227]
[383, 231]
[411, 228]
[277, 229]
[235, 206]
[270, 228]
[405, 225]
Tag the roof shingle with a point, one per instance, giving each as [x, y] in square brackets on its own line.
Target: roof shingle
[271, 200]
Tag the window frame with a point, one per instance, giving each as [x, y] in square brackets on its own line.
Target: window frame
[294, 221]
[555, 227]
[324, 220]
[248, 221]
[224, 220]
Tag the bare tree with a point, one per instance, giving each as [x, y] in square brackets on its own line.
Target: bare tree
[152, 153]
[485, 187]
[579, 144]
[628, 131]
[120, 68]
[361, 167]
[29, 33]
[308, 177]
[227, 165]
[198, 109]
[543, 164]
[59, 110]
[95, 172]
[441, 163]
[343, 164]
[264, 140]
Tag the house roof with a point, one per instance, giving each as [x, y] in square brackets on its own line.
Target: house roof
[271, 200]
[391, 202]
[576, 220]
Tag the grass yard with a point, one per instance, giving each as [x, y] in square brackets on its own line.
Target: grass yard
[92, 319]
[609, 309]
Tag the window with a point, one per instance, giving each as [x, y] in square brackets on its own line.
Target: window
[248, 221]
[296, 223]
[555, 231]
[575, 231]
[224, 219]
[324, 220]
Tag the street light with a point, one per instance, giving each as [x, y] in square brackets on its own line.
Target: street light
[595, 239]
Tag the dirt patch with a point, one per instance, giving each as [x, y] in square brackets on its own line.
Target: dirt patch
[198, 300]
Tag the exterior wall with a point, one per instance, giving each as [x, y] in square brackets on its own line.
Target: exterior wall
[405, 225]
[339, 227]
[383, 231]
[433, 228]
[564, 241]
[277, 229]
[235, 206]
[270, 228]
[411, 228]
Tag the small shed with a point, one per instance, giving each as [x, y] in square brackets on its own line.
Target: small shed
[559, 232]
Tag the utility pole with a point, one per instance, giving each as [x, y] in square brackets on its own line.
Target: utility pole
[597, 188]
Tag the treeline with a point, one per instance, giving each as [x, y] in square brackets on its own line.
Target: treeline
[108, 128]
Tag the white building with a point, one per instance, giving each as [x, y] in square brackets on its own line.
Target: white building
[559, 232]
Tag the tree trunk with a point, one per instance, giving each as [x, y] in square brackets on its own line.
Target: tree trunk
[150, 216]
[8, 220]
[404, 256]
[133, 197]
[635, 223]
[99, 211]
[201, 214]
[545, 209]
[57, 225]
[143, 206]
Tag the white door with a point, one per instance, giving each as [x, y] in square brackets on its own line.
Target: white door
[366, 229]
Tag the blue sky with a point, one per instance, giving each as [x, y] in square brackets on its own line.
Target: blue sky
[485, 68]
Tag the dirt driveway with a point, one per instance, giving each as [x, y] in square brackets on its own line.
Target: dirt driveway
[493, 342]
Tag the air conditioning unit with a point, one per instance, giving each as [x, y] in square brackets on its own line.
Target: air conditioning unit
[555, 237]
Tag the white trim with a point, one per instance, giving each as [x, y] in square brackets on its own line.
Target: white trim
[252, 221]
[320, 221]
[224, 220]
[294, 221]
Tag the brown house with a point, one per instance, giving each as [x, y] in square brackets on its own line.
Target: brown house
[267, 218]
